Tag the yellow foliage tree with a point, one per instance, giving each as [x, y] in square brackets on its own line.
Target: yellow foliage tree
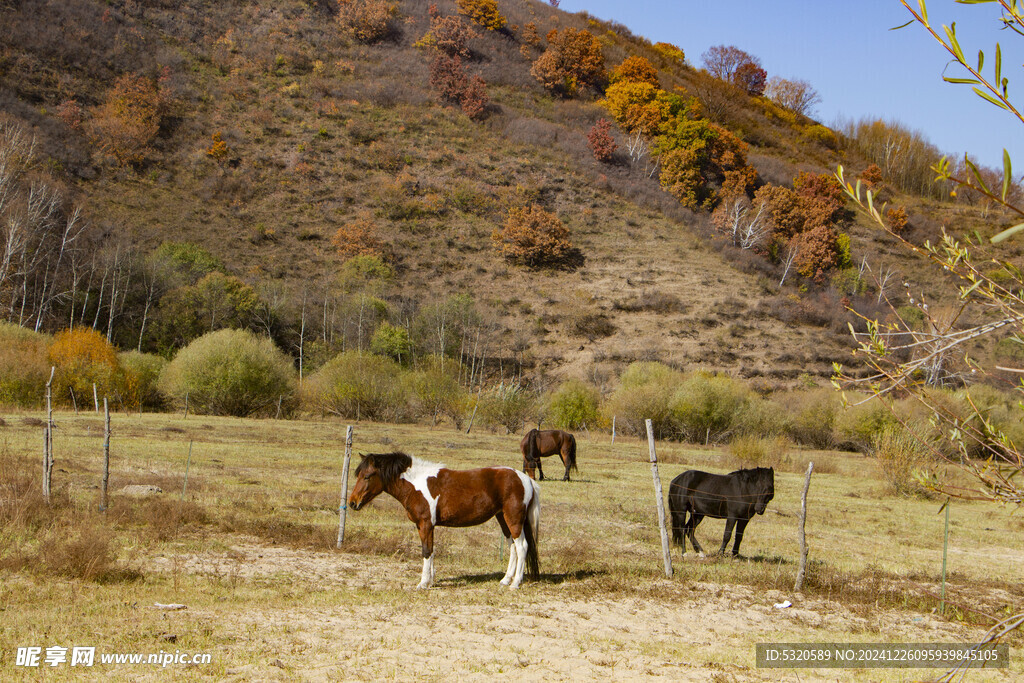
[83, 357]
[483, 12]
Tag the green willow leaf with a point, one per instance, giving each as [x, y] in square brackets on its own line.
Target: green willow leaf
[984, 95]
[1007, 174]
[967, 81]
[954, 44]
[1009, 232]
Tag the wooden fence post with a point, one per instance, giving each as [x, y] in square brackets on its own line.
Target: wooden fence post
[106, 456]
[48, 438]
[343, 508]
[188, 461]
[798, 586]
[665, 547]
[95, 398]
[613, 430]
[185, 414]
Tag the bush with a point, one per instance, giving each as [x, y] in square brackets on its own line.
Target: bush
[392, 342]
[367, 20]
[858, 426]
[483, 12]
[812, 420]
[449, 35]
[706, 406]
[644, 392]
[229, 372]
[897, 455]
[508, 405]
[126, 124]
[748, 451]
[83, 357]
[360, 386]
[636, 69]
[437, 390]
[698, 157]
[601, 142]
[24, 366]
[533, 237]
[358, 237]
[140, 380]
[574, 405]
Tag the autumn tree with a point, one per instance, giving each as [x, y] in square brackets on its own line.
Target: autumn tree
[671, 53]
[448, 77]
[533, 237]
[83, 357]
[368, 21]
[636, 69]
[572, 61]
[697, 158]
[125, 125]
[723, 61]
[483, 12]
[448, 34]
[796, 95]
[750, 78]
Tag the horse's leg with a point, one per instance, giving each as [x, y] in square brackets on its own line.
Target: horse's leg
[741, 524]
[730, 522]
[427, 540]
[510, 546]
[565, 461]
[519, 543]
[694, 520]
[540, 470]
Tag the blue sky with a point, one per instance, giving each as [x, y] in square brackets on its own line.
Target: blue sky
[858, 66]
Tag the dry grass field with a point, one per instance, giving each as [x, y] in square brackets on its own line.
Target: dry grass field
[250, 552]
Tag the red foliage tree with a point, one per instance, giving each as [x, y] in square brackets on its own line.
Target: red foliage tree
[474, 98]
[448, 77]
[601, 142]
[817, 252]
[751, 78]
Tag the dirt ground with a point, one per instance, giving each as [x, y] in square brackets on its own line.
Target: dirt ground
[360, 618]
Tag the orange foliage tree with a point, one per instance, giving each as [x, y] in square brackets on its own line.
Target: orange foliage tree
[573, 60]
[127, 122]
[699, 157]
[483, 12]
[533, 237]
[602, 144]
[358, 237]
[636, 69]
[83, 357]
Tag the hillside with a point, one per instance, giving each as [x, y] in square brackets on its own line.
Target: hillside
[278, 128]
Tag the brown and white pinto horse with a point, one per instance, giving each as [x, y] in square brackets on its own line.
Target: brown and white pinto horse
[434, 495]
[538, 444]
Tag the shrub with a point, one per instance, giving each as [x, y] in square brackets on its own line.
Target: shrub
[812, 419]
[825, 197]
[572, 61]
[818, 251]
[644, 392]
[533, 237]
[368, 21]
[474, 98]
[601, 142]
[706, 407]
[670, 53]
[871, 176]
[508, 405]
[748, 451]
[437, 390]
[83, 357]
[574, 405]
[358, 237]
[449, 35]
[858, 426]
[762, 417]
[896, 219]
[636, 69]
[697, 157]
[897, 455]
[140, 380]
[821, 135]
[359, 386]
[229, 372]
[215, 302]
[24, 366]
[448, 77]
[482, 12]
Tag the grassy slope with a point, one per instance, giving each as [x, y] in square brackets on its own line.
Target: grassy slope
[314, 147]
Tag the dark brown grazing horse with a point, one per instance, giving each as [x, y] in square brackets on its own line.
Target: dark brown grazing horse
[434, 495]
[538, 444]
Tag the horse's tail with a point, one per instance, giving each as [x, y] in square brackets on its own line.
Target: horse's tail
[532, 531]
[572, 453]
[532, 449]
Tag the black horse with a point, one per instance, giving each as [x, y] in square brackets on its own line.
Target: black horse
[735, 497]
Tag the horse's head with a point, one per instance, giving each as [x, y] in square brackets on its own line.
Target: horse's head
[765, 488]
[368, 484]
[374, 474]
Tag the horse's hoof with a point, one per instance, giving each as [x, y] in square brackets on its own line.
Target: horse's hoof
[423, 586]
[701, 555]
[504, 582]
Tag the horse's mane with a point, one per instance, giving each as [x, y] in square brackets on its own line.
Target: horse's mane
[389, 466]
[754, 475]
